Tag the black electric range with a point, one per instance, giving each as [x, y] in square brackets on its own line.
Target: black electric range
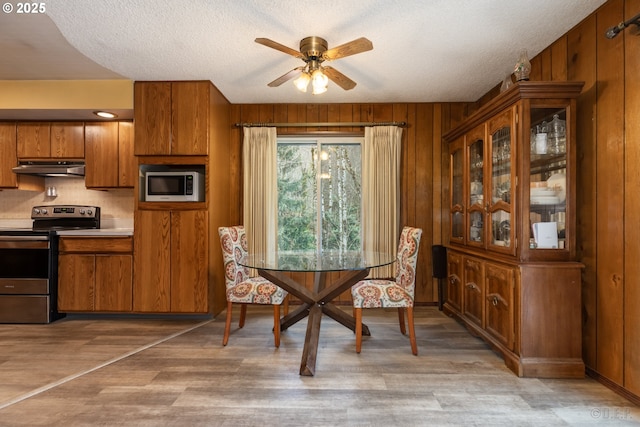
[29, 262]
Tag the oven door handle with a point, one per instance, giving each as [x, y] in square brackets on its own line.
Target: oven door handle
[18, 238]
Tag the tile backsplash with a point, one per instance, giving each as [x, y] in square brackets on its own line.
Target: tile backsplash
[114, 204]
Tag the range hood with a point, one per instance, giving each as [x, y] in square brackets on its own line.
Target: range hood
[51, 168]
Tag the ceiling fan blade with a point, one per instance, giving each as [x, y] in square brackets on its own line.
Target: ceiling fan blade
[351, 48]
[277, 46]
[338, 78]
[285, 77]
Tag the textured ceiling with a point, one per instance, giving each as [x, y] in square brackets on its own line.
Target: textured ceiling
[424, 50]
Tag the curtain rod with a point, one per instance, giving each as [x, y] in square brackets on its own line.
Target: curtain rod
[321, 124]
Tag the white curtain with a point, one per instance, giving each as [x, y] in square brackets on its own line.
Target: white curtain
[381, 154]
[260, 189]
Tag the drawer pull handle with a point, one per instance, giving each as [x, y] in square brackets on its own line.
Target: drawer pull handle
[496, 299]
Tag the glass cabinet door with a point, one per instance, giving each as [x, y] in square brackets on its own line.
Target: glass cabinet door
[547, 179]
[457, 191]
[476, 201]
[502, 173]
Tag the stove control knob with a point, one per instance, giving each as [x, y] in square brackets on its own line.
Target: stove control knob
[36, 211]
[89, 212]
[44, 211]
[81, 211]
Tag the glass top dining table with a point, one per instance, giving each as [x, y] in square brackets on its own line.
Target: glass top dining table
[354, 265]
[317, 261]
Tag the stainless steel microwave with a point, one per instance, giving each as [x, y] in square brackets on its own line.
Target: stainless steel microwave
[174, 186]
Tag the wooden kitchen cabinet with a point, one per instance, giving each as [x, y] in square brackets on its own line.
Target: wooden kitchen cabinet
[171, 255]
[95, 274]
[34, 140]
[109, 159]
[512, 221]
[50, 140]
[178, 268]
[127, 163]
[9, 160]
[172, 118]
[8, 156]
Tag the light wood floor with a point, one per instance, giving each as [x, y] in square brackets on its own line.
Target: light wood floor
[163, 372]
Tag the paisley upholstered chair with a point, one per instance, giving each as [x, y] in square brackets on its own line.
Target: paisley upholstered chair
[379, 293]
[242, 289]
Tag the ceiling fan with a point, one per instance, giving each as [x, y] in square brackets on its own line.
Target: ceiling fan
[314, 51]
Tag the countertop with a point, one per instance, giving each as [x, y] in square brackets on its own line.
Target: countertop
[108, 227]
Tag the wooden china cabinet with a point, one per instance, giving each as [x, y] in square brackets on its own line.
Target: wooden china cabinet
[513, 279]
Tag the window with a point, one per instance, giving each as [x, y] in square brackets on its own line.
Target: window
[319, 193]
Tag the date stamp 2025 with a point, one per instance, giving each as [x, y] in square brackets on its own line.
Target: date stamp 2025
[24, 8]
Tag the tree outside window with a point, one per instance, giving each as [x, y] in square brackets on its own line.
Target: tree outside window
[319, 194]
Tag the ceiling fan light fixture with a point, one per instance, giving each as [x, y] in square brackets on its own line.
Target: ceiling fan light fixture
[314, 51]
[319, 82]
[319, 90]
[302, 82]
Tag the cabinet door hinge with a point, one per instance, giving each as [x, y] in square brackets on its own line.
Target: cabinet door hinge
[517, 118]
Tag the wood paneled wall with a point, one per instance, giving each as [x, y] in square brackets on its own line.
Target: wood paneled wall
[422, 182]
[608, 200]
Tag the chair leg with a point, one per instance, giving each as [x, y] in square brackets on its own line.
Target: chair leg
[227, 324]
[403, 329]
[286, 305]
[276, 325]
[358, 315]
[243, 315]
[412, 331]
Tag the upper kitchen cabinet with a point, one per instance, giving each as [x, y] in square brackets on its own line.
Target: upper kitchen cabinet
[50, 140]
[8, 157]
[9, 160]
[109, 143]
[172, 118]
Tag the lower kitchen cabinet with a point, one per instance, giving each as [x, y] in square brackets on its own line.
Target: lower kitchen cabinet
[95, 274]
[171, 261]
[528, 312]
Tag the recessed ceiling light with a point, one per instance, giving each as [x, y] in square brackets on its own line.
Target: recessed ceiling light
[105, 114]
